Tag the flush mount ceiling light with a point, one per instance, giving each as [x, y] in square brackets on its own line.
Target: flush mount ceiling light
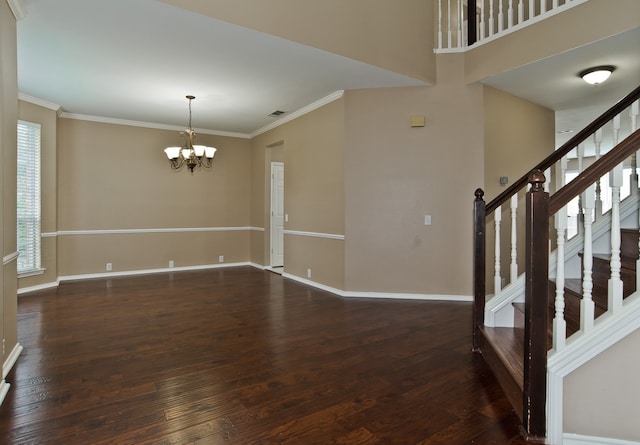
[191, 155]
[597, 74]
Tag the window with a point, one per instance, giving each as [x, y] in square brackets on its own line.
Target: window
[28, 211]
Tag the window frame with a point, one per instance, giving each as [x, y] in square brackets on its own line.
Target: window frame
[29, 198]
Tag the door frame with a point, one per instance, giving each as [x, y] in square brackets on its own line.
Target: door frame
[272, 221]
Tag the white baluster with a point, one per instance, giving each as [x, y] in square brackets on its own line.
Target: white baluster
[559, 323]
[482, 21]
[543, 6]
[500, 17]
[580, 218]
[597, 138]
[497, 280]
[440, 24]
[520, 12]
[586, 304]
[532, 9]
[449, 35]
[513, 275]
[547, 183]
[634, 158]
[491, 24]
[615, 283]
[555, 4]
[460, 22]
[510, 15]
[633, 114]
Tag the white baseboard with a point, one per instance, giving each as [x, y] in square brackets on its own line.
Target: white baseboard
[333, 290]
[125, 273]
[386, 295]
[577, 439]
[24, 290]
[4, 389]
[11, 360]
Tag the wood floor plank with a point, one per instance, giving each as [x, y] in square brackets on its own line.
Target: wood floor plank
[243, 356]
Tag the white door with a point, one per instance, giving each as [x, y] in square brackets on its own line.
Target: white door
[277, 214]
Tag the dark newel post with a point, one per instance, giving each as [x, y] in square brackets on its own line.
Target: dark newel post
[479, 258]
[536, 308]
[472, 31]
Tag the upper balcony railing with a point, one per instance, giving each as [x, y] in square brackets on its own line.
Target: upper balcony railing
[492, 19]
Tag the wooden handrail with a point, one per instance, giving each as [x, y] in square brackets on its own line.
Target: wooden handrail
[594, 172]
[554, 157]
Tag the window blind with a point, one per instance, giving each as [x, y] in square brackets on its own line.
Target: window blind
[28, 211]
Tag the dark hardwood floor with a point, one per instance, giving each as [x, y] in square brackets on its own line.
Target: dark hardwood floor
[242, 356]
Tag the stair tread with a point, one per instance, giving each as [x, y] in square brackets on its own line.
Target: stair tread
[508, 343]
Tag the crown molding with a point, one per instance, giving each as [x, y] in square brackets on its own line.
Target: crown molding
[18, 9]
[301, 112]
[109, 120]
[41, 102]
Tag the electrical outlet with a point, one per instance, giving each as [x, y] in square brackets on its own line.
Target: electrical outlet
[221, 259]
[170, 263]
[109, 267]
[309, 273]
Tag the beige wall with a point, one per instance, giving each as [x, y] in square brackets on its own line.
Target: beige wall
[377, 32]
[397, 174]
[8, 143]
[312, 148]
[589, 22]
[48, 120]
[113, 177]
[601, 397]
[518, 135]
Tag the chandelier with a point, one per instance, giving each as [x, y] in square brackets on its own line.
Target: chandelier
[191, 155]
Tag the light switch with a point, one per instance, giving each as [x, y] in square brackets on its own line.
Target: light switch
[286, 217]
[427, 220]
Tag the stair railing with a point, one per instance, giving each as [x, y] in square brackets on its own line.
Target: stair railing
[490, 19]
[537, 266]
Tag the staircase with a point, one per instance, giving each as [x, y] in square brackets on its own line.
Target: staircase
[573, 292]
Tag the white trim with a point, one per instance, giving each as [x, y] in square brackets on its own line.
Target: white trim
[31, 273]
[577, 439]
[314, 234]
[165, 230]
[608, 330]
[148, 271]
[18, 9]
[11, 360]
[301, 112]
[109, 120]
[381, 295]
[402, 296]
[333, 290]
[503, 299]
[580, 348]
[40, 102]
[9, 258]
[4, 389]
[161, 230]
[25, 290]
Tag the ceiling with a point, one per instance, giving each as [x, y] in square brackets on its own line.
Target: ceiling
[136, 60]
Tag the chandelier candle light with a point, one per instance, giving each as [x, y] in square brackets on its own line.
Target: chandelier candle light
[192, 155]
